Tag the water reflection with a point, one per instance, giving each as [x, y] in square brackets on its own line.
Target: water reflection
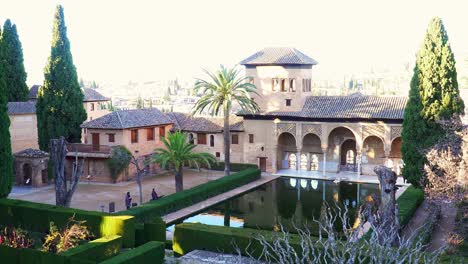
[286, 201]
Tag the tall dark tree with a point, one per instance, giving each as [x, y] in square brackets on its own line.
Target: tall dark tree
[6, 159]
[15, 75]
[59, 106]
[433, 96]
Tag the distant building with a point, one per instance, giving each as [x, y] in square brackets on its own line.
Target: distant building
[23, 125]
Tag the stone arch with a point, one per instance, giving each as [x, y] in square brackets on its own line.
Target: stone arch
[286, 148]
[373, 150]
[348, 153]
[340, 140]
[311, 148]
[331, 129]
[395, 148]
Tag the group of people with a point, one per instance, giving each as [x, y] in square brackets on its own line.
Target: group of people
[128, 199]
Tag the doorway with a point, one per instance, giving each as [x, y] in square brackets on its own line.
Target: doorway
[95, 141]
[262, 164]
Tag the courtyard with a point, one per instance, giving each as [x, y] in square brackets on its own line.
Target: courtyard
[92, 196]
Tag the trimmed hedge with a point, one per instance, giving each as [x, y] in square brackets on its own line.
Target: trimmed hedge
[26, 255]
[408, 203]
[96, 250]
[192, 236]
[151, 252]
[20, 213]
[167, 204]
[219, 166]
[150, 231]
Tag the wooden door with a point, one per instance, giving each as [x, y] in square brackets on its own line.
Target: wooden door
[95, 141]
[262, 163]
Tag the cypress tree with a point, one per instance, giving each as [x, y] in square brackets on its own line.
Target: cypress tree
[433, 96]
[60, 110]
[15, 75]
[6, 159]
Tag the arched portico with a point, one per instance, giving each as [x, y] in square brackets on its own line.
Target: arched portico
[311, 152]
[343, 152]
[287, 152]
[395, 158]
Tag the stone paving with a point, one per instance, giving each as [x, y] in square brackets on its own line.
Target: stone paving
[201, 256]
[91, 196]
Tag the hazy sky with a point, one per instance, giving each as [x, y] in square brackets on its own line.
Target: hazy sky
[115, 41]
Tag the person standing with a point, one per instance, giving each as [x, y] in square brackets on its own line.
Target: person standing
[128, 200]
[154, 195]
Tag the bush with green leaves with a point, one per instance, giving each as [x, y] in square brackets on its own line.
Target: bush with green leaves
[119, 160]
[58, 241]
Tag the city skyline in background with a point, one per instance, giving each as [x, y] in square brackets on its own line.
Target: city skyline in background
[151, 42]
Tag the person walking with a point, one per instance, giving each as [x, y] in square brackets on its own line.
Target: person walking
[128, 200]
[154, 195]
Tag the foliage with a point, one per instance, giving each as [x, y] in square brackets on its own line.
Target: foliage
[6, 158]
[170, 203]
[60, 110]
[12, 56]
[15, 238]
[96, 250]
[59, 241]
[224, 89]
[151, 252]
[119, 160]
[20, 213]
[433, 96]
[179, 152]
[219, 166]
[446, 165]
[154, 230]
[140, 104]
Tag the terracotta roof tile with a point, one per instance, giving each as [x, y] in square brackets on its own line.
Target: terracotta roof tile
[123, 119]
[279, 56]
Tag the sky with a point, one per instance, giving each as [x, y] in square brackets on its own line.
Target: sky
[117, 41]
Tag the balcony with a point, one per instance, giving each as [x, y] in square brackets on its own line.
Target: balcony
[88, 150]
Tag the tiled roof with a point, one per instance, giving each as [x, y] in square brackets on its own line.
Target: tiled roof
[33, 91]
[90, 95]
[129, 119]
[348, 107]
[279, 56]
[31, 153]
[185, 122]
[21, 108]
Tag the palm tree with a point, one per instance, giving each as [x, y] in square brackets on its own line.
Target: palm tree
[225, 88]
[179, 152]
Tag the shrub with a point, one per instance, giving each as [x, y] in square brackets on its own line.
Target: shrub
[15, 238]
[96, 250]
[59, 241]
[119, 160]
[27, 255]
[408, 203]
[150, 231]
[21, 213]
[151, 252]
[167, 204]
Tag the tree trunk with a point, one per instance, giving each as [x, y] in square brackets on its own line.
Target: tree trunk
[58, 153]
[227, 143]
[139, 175]
[387, 213]
[179, 180]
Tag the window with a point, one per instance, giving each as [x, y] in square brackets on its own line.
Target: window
[292, 85]
[211, 141]
[350, 157]
[292, 161]
[314, 162]
[274, 84]
[218, 154]
[288, 102]
[306, 85]
[303, 162]
[111, 137]
[251, 138]
[162, 131]
[150, 134]
[201, 138]
[92, 107]
[235, 139]
[190, 136]
[283, 85]
[134, 135]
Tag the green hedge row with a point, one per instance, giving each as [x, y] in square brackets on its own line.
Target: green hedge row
[37, 217]
[408, 203]
[192, 236]
[219, 166]
[151, 252]
[148, 211]
[10, 255]
[96, 250]
[150, 231]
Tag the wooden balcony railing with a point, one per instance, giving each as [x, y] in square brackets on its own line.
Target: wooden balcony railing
[88, 148]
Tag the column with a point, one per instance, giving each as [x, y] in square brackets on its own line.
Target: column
[358, 159]
[298, 159]
[324, 165]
